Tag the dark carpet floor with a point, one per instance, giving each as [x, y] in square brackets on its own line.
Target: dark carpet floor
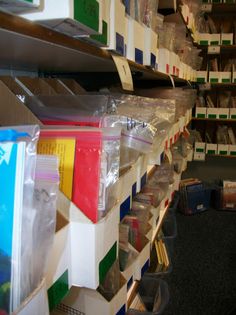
[203, 279]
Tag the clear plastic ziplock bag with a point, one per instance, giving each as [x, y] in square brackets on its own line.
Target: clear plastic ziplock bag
[163, 174]
[110, 164]
[17, 166]
[82, 110]
[143, 120]
[89, 165]
[41, 223]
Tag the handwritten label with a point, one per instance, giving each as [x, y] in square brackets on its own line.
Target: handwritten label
[212, 50]
[123, 69]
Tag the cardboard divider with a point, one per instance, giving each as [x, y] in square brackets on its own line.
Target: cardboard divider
[156, 213]
[73, 86]
[91, 302]
[142, 165]
[57, 277]
[135, 43]
[152, 218]
[93, 246]
[232, 113]
[118, 28]
[13, 111]
[211, 148]
[148, 233]
[223, 113]
[150, 47]
[128, 273]
[143, 260]
[190, 156]
[164, 60]
[200, 112]
[214, 77]
[201, 76]
[177, 179]
[102, 40]
[232, 150]
[58, 86]
[36, 301]
[35, 86]
[127, 187]
[212, 113]
[200, 147]
[223, 149]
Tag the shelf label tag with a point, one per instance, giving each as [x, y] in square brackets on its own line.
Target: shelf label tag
[206, 7]
[205, 86]
[213, 50]
[124, 71]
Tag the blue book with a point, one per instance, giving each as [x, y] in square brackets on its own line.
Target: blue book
[12, 166]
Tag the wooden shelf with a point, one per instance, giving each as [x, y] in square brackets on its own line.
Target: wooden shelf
[214, 119]
[223, 8]
[162, 216]
[219, 85]
[220, 155]
[33, 47]
[223, 48]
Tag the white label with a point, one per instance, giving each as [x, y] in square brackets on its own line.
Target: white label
[123, 69]
[212, 50]
[206, 7]
[200, 207]
[205, 87]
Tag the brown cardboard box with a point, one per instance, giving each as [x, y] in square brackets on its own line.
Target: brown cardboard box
[73, 86]
[35, 86]
[12, 110]
[58, 86]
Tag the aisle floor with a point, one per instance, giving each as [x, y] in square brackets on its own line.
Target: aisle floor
[203, 280]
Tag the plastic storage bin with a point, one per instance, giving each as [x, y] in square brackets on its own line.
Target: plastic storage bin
[224, 198]
[169, 229]
[148, 290]
[195, 201]
[152, 272]
[174, 203]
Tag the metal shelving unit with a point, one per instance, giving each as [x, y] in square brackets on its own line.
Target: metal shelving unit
[32, 47]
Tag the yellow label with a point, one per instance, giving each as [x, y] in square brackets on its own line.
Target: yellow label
[64, 149]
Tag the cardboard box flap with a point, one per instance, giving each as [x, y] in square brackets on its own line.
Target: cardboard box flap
[13, 111]
[35, 86]
[74, 299]
[13, 85]
[61, 221]
[58, 86]
[133, 257]
[69, 210]
[36, 299]
[144, 242]
[72, 213]
[75, 87]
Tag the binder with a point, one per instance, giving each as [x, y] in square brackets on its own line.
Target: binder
[12, 165]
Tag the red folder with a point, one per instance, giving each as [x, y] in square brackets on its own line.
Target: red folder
[87, 166]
